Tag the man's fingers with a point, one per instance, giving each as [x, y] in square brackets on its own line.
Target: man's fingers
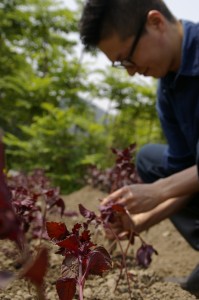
[109, 234]
[123, 235]
[115, 196]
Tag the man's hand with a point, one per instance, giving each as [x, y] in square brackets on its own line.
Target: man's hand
[123, 226]
[140, 198]
[143, 221]
[136, 198]
[119, 227]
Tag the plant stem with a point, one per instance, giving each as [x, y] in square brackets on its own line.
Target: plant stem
[123, 260]
[80, 279]
[129, 242]
[40, 293]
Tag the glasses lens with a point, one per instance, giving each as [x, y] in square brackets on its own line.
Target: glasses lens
[118, 64]
[127, 64]
[123, 64]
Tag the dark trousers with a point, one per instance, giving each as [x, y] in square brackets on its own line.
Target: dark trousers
[149, 167]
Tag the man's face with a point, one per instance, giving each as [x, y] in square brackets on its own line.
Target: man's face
[153, 54]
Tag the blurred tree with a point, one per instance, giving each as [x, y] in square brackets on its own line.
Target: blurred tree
[62, 142]
[134, 101]
[37, 61]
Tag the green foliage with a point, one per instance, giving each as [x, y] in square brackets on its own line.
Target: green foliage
[136, 119]
[42, 82]
[62, 142]
[33, 58]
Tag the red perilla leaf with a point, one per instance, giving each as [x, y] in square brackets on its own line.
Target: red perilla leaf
[71, 243]
[85, 236]
[76, 228]
[107, 213]
[56, 231]
[79, 260]
[87, 213]
[118, 208]
[10, 226]
[53, 199]
[66, 288]
[59, 203]
[98, 261]
[36, 269]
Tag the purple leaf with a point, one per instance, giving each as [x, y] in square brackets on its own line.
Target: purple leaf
[87, 213]
[71, 243]
[144, 254]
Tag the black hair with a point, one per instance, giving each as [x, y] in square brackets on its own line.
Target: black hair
[100, 18]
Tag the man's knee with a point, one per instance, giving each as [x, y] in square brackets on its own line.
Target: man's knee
[149, 162]
[141, 162]
[187, 223]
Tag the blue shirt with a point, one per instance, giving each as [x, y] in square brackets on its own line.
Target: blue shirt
[178, 104]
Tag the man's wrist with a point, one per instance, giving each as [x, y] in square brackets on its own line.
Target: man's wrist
[162, 187]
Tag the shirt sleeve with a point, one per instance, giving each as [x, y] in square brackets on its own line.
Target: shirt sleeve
[177, 155]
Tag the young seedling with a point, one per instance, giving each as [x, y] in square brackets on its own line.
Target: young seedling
[107, 216]
[33, 199]
[81, 258]
[122, 173]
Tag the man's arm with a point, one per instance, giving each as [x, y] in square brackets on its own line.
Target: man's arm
[143, 221]
[185, 182]
[139, 198]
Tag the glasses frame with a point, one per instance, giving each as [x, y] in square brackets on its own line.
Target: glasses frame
[127, 62]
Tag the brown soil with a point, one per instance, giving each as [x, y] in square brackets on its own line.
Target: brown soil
[175, 259]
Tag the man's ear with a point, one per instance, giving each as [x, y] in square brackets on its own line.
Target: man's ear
[156, 20]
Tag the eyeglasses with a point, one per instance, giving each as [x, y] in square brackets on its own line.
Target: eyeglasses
[127, 63]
